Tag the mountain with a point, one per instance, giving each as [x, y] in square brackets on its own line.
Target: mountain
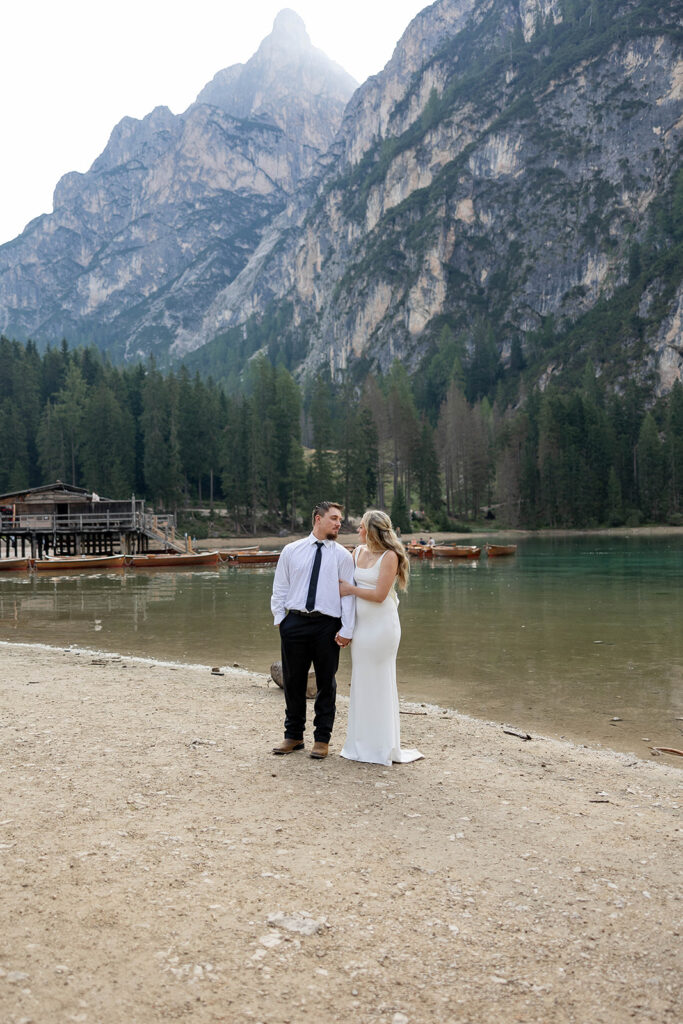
[508, 190]
[137, 248]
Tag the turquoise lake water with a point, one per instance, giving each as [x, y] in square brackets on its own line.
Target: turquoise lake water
[564, 638]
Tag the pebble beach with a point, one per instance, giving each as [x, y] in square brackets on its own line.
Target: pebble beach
[158, 863]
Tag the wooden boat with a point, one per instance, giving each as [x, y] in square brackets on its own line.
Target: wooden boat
[420, 550]
[15, 564]
[72, 563]
[456, 551]
[255, 558]
[172, 558]
[495, 550]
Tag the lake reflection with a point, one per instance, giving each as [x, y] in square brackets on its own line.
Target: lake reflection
[562, 638]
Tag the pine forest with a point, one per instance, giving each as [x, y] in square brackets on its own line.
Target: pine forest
[442, 450]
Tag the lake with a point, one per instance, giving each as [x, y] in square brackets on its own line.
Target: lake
[579, 637]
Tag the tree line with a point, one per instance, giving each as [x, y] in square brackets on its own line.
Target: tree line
[572, 457]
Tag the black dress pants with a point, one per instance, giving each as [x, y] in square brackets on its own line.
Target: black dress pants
[305, 639]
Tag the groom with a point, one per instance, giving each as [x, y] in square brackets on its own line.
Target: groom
[314, 623]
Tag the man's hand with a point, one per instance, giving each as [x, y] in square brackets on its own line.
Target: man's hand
[342, 641]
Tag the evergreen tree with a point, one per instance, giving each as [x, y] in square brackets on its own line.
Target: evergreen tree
[288, 451]
[60, 435]
[320, 478]
[400, 516]
[108, 450]
[485, 368]
[373, 405]
[404, 426]
[162, 465]
[674, 447]
[615, 506]
[650, 469]
[427, 471]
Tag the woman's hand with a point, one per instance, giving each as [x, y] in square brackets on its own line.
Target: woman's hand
[346, 589]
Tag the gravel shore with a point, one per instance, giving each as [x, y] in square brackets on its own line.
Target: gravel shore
[159, 864]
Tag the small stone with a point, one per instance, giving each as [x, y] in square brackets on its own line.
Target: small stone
[299, 921]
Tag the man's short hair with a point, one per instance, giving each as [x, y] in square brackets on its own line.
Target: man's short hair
[324, 506]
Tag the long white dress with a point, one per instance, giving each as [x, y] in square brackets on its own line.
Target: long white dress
[374, 731]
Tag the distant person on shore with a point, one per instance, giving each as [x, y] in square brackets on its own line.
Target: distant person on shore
[374, 732]
[314, 622]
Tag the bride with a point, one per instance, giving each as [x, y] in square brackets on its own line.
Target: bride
[374, 728]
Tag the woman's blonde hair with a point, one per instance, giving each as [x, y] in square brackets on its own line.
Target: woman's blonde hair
[381, 537]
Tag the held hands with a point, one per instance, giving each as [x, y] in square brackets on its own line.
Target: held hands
[341, 641]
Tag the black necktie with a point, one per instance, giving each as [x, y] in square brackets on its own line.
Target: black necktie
[313, 585]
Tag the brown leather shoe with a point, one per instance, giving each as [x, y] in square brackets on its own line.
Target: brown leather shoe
[320, 750]
[289, 746]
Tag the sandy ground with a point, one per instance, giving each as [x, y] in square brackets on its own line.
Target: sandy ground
[159, 864]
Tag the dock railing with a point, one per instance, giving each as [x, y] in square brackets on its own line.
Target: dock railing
[163, 526]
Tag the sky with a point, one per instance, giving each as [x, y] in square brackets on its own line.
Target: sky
[71, 69]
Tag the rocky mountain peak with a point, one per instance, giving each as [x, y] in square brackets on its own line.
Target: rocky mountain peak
[289, 30]
[288, 82]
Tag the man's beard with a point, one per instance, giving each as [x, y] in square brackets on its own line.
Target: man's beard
[331, 536]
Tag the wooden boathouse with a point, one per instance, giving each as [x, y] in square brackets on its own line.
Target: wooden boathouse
[59, 519]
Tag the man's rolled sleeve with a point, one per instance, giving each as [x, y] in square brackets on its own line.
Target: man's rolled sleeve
[280, 588]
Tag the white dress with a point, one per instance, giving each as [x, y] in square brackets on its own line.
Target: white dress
[374, 732]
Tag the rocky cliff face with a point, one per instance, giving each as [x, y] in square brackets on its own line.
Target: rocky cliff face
[502, 170]
[137, 248]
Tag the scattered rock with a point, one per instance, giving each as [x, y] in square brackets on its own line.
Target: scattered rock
[300, 921]
[276, 676]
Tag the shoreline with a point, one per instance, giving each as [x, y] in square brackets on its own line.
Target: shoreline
[161, 863]
[271, 541]
[421, 707]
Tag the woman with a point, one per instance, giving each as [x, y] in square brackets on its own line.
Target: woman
[374, 728]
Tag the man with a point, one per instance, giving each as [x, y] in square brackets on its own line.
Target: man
[314, 623]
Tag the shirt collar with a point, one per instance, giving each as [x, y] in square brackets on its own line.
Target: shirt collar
[312, 539]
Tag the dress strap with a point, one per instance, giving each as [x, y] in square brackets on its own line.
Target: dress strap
[376, 562]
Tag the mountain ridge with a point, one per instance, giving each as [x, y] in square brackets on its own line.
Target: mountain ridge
[171, 209]
[526, 133]
[506, 189]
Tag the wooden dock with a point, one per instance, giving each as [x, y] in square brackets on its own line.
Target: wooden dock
[63, 521]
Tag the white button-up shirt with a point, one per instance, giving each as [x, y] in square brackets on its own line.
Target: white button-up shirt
[293, 575]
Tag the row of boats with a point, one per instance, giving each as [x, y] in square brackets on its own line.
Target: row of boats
[166, 559]
[243, 556]
[459, 550]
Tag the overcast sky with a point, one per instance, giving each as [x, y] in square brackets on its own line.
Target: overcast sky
[71, 69]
